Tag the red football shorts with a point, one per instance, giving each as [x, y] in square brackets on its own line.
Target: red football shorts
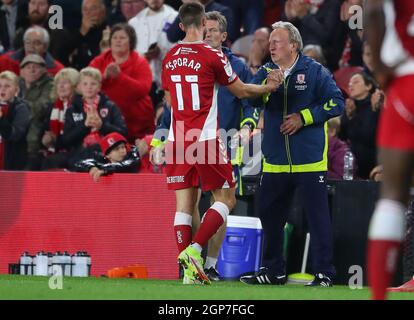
[199, 164]
[396, 125]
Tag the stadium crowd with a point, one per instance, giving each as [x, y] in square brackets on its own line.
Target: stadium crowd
[48, 121]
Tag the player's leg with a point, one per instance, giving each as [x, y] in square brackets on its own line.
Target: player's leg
[387, 227]
[186, 200]
[213, 251]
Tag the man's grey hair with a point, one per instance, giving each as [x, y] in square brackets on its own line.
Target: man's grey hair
[42, 31]
[217, 16]
[317, 49]
[294, 34]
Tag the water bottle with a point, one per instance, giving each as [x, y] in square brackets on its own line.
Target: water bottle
[348, 166]
[66, 263]
[57, 266]
[41, 264]
[49, 263]
[26, 266]
[80, 265]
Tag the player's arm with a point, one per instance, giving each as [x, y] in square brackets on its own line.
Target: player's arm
[244, 90]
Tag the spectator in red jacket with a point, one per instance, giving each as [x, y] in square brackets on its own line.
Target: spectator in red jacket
[36, 41]
[127, 81]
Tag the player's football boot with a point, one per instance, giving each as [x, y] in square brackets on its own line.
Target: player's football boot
[192, 262]
[212, 274]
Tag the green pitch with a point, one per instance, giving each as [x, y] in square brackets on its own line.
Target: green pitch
[25, 287]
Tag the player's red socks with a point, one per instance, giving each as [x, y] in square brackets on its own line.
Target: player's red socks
[182, 230]
[386, 232]
[211, 222]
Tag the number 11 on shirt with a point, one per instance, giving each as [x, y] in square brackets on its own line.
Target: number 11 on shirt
[193, 80]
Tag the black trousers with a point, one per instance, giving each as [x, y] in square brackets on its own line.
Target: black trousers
[275, 196]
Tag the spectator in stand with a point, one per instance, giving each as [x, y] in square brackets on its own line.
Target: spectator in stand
[127, 81]
[115, 155]
[315, 52]
[35, 88]
[91, 116]
[85, 41]
[125, 10]
[348, 45]
[175, 32]
[38, 15]
[317, 21]
[14, 122]
[359, 123]
[247, 14]
[36, 41]
[12, 17]
[64, 89]
[150, 26]
[259, 53]
[336, 150]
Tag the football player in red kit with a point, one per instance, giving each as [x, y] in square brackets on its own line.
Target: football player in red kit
[390, 31]
[195, 156]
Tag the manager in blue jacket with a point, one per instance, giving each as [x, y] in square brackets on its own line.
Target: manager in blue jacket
[295, 147]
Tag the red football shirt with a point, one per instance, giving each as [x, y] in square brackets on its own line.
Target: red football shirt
[192, 73]
[404, 23]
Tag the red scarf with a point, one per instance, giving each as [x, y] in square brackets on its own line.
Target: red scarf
[4, 107]
[93, 137]
[57, 117]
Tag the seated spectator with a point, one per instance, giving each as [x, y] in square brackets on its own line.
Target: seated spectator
[91, 116]
[14, 122]
[36, 41]
[85, 41]
[35, 88]
[315, 52]
[38, 15]
[12, 17]
[64, 87]
[115, 155]
[259, 52]
[359, 123]
[127, 81]
[154, 45]
[336, 150]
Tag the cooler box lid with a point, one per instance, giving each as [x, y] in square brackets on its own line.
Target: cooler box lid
[244, 222]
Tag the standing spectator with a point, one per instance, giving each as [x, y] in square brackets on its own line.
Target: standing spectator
[315, 52]
[35, 89]
[259, 52]
[247, 14]
[12, 17]
[317, 21]
[191, 90]
[36, 41]
[64, 87]
[85, 41]
[359, 123]
[115, 155]
[125, 10]
[127, 81]
[14, 123]
[38, 15]
[91, 116]
[150, 26]
[295, 155]
[175, 33]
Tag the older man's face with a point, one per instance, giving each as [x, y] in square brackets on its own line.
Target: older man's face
[34, 44]
[32, 72]
[281, 50]
[94, 10]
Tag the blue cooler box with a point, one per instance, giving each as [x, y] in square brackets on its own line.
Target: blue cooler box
[241, 250]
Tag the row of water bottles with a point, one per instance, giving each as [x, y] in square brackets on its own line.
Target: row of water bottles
[58, 264]
[348, 166]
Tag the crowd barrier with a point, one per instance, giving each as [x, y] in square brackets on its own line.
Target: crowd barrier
[121, 220]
